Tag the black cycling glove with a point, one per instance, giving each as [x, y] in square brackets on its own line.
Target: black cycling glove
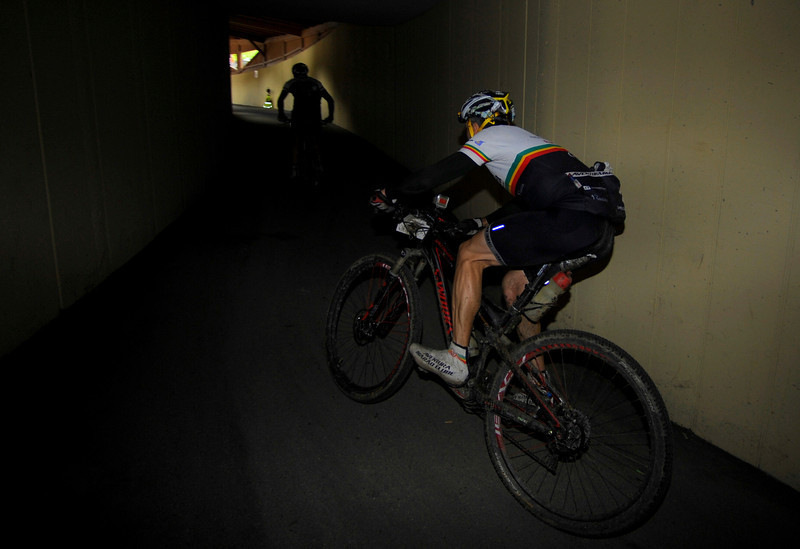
[470, 226]
[380, 201]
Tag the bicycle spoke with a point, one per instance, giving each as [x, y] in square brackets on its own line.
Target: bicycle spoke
[605, 466]
[370, 326]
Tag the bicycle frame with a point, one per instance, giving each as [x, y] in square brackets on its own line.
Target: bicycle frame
[433, 256]
[434, 253]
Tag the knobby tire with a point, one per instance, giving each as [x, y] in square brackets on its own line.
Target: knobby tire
[614, 468]
[371, 323]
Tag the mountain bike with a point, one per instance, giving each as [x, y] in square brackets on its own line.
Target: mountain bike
[574, 426]
[308, 158]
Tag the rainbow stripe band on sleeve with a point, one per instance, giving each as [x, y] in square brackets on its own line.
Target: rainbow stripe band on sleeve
[477, 152]
[521, 162]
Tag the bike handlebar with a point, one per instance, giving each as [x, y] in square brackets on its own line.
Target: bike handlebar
[432, 219]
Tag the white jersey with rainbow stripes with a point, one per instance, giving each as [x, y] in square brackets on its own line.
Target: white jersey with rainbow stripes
[506, 151]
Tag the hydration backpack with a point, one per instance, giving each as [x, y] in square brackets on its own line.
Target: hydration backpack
[600, 189]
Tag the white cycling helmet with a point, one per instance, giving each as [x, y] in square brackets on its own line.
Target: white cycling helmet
[487, 107]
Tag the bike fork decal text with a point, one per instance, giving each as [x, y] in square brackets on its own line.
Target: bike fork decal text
[441, 292]
[498, 428]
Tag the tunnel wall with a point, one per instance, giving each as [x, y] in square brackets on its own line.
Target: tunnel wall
[113, 121]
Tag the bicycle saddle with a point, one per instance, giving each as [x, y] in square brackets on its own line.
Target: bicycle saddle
[601, 248]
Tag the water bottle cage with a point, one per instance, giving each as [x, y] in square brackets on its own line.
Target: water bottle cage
[533, 308]
[535, 311]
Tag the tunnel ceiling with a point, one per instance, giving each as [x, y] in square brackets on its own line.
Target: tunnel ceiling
[259, 20]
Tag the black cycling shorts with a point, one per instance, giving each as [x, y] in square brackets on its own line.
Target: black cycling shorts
[536, 237]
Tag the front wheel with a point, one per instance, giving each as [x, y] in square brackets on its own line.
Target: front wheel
[594, 457]
[371, 323]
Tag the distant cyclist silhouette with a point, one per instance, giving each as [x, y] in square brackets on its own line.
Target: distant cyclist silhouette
[306, 118]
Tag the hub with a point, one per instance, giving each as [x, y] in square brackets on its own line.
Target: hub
[573, 437]
[363, 328]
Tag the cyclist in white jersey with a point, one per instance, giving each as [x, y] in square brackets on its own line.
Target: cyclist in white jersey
[548, 218]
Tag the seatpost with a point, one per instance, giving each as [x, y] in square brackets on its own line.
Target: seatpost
[523, 299]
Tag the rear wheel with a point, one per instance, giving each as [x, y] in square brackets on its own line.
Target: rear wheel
[371, 323]
[597, 458]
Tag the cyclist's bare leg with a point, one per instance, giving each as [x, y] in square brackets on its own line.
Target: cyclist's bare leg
[450, 364]
[474, 256]
[513, 284]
